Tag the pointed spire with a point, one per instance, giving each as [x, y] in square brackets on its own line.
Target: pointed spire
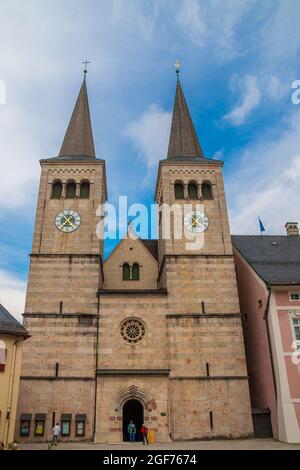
[183, 138]
[78, 140]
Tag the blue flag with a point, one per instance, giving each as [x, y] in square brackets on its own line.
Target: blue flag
[261, 227]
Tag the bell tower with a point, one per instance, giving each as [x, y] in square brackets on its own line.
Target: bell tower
[187, 178]
[61, 310]
[206, 346]
[66, 253]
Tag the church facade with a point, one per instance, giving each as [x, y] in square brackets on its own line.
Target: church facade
[152, 334]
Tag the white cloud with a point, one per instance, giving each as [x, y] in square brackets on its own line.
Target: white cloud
[12, 293]
[191, 19]
[250, 99]
[266, 183]
[213, 24]
[150, 134]
[218, 155]
[275, 88]
[280, 36]
[42, 45]
[20, 153]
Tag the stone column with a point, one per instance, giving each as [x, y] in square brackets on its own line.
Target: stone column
[64, 188]
[199, 185]
[185, 191]
[77, 190]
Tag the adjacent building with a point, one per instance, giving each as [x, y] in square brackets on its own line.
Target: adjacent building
[268, 273]
[153, 333]
[12, 335]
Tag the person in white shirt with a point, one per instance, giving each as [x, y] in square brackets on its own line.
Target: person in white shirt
[55, 433]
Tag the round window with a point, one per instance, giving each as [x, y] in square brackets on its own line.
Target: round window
[132, 330]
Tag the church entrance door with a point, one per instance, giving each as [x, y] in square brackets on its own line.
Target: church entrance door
[133, 410]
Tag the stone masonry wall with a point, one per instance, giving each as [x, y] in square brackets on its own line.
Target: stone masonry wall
[151, 352]
[59, 397]
[73, 280]
[68, 341]
[193, 400]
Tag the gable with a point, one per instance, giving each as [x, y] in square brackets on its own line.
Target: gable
[132, 251]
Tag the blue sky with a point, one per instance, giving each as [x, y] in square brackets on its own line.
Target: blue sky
[239, 59]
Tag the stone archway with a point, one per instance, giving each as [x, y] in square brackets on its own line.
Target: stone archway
[133, 410]
[134, 393]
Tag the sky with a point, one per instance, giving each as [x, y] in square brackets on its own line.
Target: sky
[239, 59]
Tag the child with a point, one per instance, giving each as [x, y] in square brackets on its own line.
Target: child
[144, 432]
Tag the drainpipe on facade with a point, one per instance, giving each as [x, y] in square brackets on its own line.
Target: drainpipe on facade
[266, 318]
[96, 368]
[10, 394]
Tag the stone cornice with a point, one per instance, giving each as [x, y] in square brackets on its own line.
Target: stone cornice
[66, 255]
[52, 378]
[132, 291]
[122, 372]
[204, 315]
[59, 315]
[216, 377]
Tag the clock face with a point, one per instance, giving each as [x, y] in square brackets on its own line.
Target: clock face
[67, 221]
[196, 221]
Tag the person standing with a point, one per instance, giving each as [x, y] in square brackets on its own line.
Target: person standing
[144, 433]
[55, 434]
[131, 431]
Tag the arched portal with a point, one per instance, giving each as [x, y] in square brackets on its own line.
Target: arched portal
[133, 410]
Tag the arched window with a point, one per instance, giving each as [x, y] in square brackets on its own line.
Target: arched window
[126, 272]
[2, 355]
[56, 190]
[85, 190]
[135, 272]
[206, 191]
[192, 191]
[179, 191]
[71, 190]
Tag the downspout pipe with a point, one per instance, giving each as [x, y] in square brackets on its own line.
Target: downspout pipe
[96, 367]
[266, 318]
[10, 393]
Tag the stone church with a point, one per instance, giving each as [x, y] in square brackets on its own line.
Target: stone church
[153, 333]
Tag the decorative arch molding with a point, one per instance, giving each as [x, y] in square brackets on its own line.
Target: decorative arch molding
[135, 393]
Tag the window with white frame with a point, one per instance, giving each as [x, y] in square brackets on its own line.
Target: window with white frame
[296, 327]
[295, 296]
[294, 317]
[2, 355]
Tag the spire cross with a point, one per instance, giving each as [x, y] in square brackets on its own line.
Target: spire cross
[85, 63]
[177, 67]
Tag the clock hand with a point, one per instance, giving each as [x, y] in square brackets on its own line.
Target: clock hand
[194, 221]
[66, 221]
[199, 223]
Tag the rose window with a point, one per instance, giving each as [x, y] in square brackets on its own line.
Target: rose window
[132, 330]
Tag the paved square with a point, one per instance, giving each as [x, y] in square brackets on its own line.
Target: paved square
[242, 444]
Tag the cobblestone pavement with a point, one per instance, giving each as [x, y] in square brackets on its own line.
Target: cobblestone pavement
[247, 444]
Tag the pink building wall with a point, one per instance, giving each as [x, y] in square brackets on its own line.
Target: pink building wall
[284, 306]
[253, 297]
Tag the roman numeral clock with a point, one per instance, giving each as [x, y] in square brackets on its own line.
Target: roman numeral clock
[67, 221]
